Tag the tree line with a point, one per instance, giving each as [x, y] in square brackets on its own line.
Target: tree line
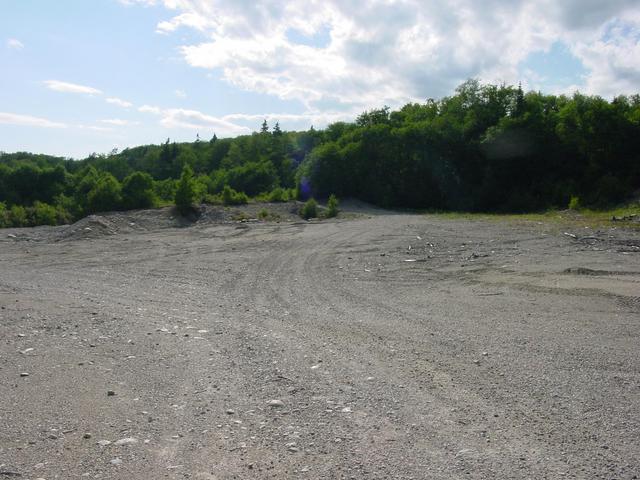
[484, 148]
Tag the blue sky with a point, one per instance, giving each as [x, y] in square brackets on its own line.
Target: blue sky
[88, 76]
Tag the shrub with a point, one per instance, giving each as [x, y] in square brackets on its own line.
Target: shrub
[263, 214]
[185, 193]
[43, 214]
[574, 203]
[165, 189]
[279, 195]
[17, 216]
[4, 215]
[309, 209]
[252, 177]
[212, 199]
[231, 197]
[105, 195]
[332, 206]
[68, 208]
[137, 191]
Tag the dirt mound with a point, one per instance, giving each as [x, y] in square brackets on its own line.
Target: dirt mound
[89, 227]
[253, 212]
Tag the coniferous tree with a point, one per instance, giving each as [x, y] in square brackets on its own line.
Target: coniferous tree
[185, 193]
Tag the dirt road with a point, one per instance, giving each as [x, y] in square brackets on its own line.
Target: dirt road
[387, 346]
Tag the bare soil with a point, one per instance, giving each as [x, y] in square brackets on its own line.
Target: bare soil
[376, 345]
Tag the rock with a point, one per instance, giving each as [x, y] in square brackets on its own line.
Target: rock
[477, 362]
[86, 436]
[294, 449]
[103, 443]
[116, 461]
[111, 393]
[26, 350]
[126, 441]
[484, 354]
[465, 451]
[24, 374]
[230, 411]
[275, 403]
[11, 235]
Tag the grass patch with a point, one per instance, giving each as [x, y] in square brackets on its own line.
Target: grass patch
[560, 218]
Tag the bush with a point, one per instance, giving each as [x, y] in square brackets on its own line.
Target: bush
[185, 193]
[137, 191]
[212, 199]
[165, 189]
[43, 214]
[252, 178]
[332, 206]
[309, 209]
[4, 215]
[105, 196]
[278, 195]
[574, 203]
[231, 197]
[67, 207]
[17, 216]
[263, 214]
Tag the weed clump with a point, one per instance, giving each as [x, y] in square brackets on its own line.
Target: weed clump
[332, 207]
[574, 203]
[309, 209]
[231, 197]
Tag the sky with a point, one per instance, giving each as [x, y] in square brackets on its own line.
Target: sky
[84, 76]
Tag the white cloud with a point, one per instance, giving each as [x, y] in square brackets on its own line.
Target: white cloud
[389, 52]
[181, 93]
[129, 3]
[194, 120]
[118, 122]
[15, 44]
[119, 102]
[94, 128]
[28, 121]
[614, 62]
[293, 121]
[190, 20]
[150, 109]
[67, 87]
[179, 118]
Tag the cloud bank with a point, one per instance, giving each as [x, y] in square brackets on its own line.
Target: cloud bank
[28, 121]
[350, 53]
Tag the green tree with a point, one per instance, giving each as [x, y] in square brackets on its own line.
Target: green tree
[309, 209]
[185, 192]
[106, 195]
[332, 206]
[138, 192]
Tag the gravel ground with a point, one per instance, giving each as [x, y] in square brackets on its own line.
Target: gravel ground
[378, 346]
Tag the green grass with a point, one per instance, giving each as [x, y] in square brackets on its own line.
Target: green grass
[559, 218]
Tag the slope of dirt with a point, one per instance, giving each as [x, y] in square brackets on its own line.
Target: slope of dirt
[385, 346]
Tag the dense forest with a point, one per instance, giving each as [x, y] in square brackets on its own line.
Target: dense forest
[485, 148]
